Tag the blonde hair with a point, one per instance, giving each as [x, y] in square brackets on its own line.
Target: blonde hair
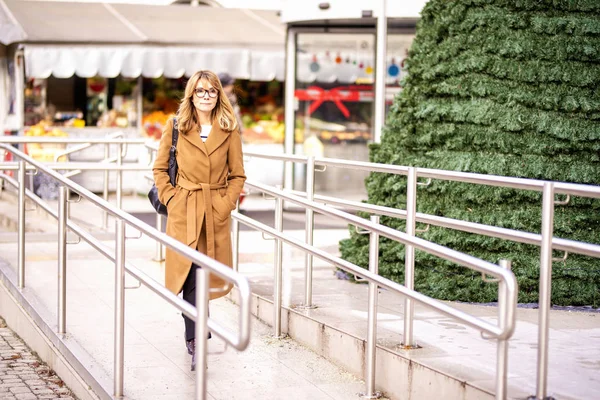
[222, 114]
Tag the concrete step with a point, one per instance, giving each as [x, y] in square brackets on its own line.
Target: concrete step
[454, 360]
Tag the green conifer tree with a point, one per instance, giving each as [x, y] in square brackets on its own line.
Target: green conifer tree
[503, 87]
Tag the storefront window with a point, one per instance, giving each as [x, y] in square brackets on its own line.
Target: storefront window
[334, 88]
[334, 94]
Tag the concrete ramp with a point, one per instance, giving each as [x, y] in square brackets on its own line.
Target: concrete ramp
[156, 361]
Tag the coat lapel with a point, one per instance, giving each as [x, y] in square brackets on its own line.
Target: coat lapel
[215, 139]
[193, 136]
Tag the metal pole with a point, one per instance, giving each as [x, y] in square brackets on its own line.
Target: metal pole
[139, 103]
[119, 305]
[62, 259]
[21, 233]
[235, 226]
[502, 345]
[278, 265]
[409, 257]
[309, 228]
[105, 188]
[372, 316]
[120, 177]
[201, 331]
[20, 90]
[159, 246]
[545, 287]
[290, 106]
[380, 72]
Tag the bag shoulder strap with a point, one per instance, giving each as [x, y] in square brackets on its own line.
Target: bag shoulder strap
[175, 134]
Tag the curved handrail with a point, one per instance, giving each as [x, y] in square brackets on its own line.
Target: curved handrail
[443, 252]
[240, 341]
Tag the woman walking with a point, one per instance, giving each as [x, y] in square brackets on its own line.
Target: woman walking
[209, 181]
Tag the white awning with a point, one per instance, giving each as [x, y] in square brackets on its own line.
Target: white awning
[67, 38]
[131, 61]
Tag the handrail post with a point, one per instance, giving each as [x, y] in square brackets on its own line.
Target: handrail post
[201, 331]
[372, 315]
[120, 177]
[545, 288]
[278, 266]
[502, 345]
[235, 233]
[309, 227]
[119, 306]
[21, 233]
[105, 184]
[409, 256]
[159, 246]
[62, 258]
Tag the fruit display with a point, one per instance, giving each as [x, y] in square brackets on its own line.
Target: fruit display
[265, 131]
[44, 151]
[154, 123]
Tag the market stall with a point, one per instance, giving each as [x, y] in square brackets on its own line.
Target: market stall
[94, 67]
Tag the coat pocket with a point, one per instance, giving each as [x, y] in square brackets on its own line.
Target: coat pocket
[221, 207]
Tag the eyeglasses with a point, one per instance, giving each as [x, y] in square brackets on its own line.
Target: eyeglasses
[212, 92]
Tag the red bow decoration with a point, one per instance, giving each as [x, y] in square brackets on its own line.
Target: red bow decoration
[337, 95]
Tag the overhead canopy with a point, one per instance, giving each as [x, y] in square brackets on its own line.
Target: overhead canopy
[62, 39]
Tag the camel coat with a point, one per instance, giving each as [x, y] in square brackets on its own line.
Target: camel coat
[210, 179]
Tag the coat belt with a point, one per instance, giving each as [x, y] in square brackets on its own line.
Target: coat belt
[192, 202]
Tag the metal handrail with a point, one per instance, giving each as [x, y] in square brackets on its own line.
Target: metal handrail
[208, 264]
[69, 140]
[466, 177]
[546, 240]
[574, 189]
[84, 166]
[432, 248]
[548, 189]
[507, 286]
[567, 245]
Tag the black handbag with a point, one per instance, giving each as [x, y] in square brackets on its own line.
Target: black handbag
[153, 193]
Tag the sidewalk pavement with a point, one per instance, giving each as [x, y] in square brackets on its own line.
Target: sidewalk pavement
[23, 375]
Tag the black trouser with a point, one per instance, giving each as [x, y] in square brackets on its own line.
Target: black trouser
[189, 295]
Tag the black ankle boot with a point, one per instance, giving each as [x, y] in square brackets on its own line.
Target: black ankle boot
[193, 354]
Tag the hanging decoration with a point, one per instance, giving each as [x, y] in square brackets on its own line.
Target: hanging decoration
[369, 69]
[314, 65]
[338, 59]
[393, 69]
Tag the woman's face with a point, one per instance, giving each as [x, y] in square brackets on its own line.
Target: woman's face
[205, 96]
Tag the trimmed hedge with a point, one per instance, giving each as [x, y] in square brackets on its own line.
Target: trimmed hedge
[503, 87]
